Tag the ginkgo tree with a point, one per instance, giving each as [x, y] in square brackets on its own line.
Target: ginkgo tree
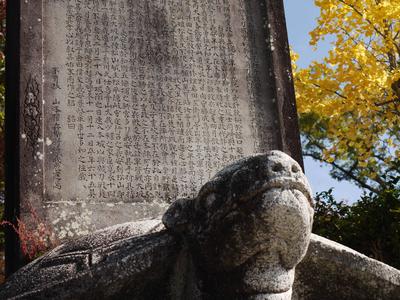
[349, 102]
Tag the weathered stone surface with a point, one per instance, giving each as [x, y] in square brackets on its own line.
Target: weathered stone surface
[253, 241]
[332, 271]
[125, 106]
[240, 238]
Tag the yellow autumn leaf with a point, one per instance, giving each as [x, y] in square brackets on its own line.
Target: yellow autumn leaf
[349, 101]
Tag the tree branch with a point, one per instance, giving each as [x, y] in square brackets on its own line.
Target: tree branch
[368, 21]
[335, 92]
[344, 171]
[362, 16]
[387, 102]
[357, 42]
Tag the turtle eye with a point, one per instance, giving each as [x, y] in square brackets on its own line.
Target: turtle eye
[295, 169]
[277, 167]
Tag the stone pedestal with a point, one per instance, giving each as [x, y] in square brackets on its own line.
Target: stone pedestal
[241, 237]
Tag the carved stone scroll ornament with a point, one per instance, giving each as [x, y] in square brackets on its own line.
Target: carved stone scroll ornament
[240, 238]
[32, 113]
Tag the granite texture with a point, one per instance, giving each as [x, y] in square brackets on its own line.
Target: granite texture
[332, 271]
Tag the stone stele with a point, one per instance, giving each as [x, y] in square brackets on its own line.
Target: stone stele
[125, 106]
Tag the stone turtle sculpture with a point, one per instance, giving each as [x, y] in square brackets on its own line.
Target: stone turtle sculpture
[240, 238]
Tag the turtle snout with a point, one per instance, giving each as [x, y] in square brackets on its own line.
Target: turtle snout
[284, 168]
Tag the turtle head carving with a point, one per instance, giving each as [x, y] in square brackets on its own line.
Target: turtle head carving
[260, 204]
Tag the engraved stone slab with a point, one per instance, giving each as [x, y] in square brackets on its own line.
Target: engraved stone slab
[125, 106]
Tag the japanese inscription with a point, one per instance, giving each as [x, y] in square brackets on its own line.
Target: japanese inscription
[143, 101]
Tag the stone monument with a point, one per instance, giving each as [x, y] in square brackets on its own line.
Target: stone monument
[117, 108]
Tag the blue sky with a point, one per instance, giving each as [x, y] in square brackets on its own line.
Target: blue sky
[301, 18]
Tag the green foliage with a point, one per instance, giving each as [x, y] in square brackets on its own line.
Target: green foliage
[370, 226]
[330, 216]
